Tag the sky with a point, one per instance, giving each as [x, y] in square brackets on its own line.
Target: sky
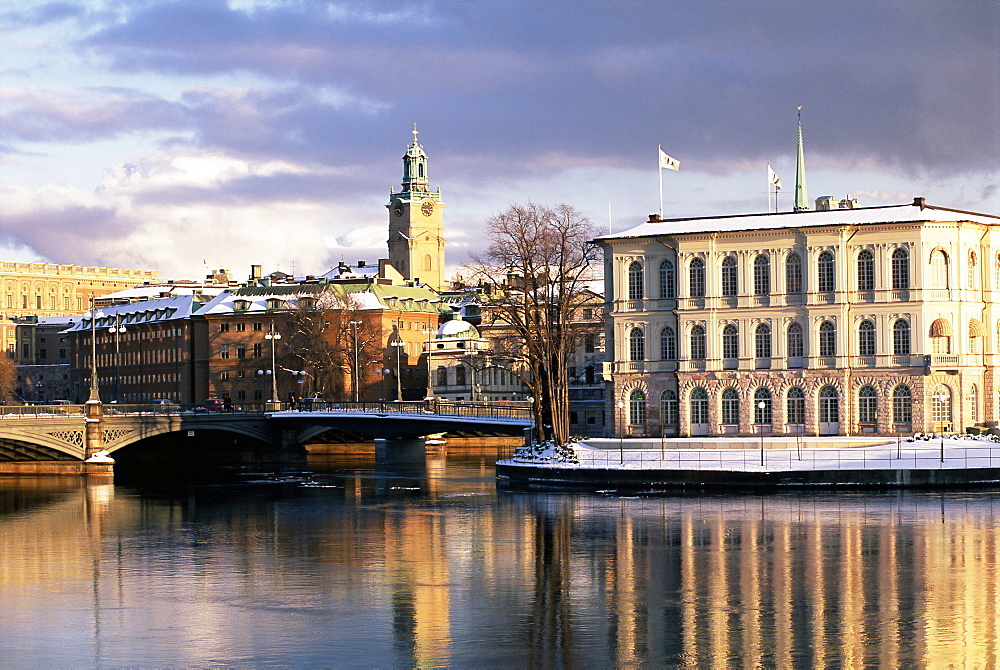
[186, 136]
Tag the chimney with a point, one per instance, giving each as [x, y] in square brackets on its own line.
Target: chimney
[255, 272]
[918, 202]
[653, 218]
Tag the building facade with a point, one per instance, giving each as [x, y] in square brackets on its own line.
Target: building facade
[881, 320]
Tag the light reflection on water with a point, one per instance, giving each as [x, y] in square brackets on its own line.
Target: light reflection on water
[341, 564]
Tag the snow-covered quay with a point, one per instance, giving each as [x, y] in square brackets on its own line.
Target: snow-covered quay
[829, 462]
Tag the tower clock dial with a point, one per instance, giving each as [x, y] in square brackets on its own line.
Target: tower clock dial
[427, 208]
[397, 208]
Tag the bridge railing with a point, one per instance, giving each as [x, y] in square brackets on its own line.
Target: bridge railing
[40, 411]
[433, 406]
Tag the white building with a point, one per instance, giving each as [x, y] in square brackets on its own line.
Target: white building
[836, 321]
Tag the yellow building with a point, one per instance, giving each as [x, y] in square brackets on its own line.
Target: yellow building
[843, 320]
[47, 289]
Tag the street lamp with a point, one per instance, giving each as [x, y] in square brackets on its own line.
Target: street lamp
[942, 399]
[761, 405]
[430, 383]
[354, 329]
[273, 335]
[397, 345]
[95, 314]
[621, 432]
[117, 330]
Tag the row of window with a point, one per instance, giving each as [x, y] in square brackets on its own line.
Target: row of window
[795, 406]
[241, 350]
[826, 274]
[794, 342]
[53, 302]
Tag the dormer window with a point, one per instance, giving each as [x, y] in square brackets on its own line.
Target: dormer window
[274, 303]
[241, 305]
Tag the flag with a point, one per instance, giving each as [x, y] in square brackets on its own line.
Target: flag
[773, 178]
[668, 162]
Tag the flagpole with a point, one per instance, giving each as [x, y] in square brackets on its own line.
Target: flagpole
[659, 172]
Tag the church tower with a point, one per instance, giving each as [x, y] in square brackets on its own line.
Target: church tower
[416, 222]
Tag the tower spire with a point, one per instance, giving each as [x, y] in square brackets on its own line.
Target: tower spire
[801, 193]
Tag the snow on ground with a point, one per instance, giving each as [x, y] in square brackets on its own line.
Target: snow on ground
[952, 452]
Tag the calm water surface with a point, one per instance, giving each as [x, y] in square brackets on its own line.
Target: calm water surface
[344, 565]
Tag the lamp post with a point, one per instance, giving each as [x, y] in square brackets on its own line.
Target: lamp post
[117, 329]
[273, 336]
[397, 345]
[761, 405]
[942, 398]
[430, 383]
[621, 432]
[95, 314]
[354, 330]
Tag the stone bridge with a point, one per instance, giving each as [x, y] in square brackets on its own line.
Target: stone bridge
[72, 438]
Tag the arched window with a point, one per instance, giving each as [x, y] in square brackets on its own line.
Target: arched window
[442, 376]
[795, 406]
[730, 342]
[420, 170]
[730, 280]
[900, 269]
[793, 273]
[696, 276]
[866, 270]
[827, 339]
[973, 274]
[762, 341]
[636, 345]
[668, 408]
[762, 406]
[698, 343]
[762, 275]
[668, 282]
[699, 405]
[459, 375]
[795, 343]
[867, 405]
[829, 405]
[902, 404]
[827, 273]
[668, 344]
[730, 407]
[901, 337]
[939, 269]
[866, 338]
[941, 404]
[635, 281]
[428, 263]
[637, 408]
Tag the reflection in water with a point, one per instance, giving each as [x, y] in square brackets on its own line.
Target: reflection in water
[346, 565]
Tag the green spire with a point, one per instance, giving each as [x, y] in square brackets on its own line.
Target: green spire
[801, 193]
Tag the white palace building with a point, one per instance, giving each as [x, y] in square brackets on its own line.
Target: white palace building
[839, 321]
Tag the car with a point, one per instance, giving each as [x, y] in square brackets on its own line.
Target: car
[212, 405]
[164, 405]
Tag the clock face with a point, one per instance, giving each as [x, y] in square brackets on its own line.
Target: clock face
[397, 208]
[427, 208]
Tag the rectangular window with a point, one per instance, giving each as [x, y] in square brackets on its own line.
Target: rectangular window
[257, 350]
[241, 351]
[62, 353]
[258, 394]
[241, 374]
[79, 302]
[591, 418]
[241, 395]
[38, 302]
[42, 354]
[258, 326]
[224, 375]
[223, 327]
[241, 327]
[66, 302]
[10, 301]
[224, 351]
[573, 418]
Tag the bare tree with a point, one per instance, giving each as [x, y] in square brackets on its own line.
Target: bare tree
[8, 379]
[538, 267]
[334, 337]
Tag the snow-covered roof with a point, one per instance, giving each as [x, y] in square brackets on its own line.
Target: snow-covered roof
[917, 212]
[147, 311]
[151, 291]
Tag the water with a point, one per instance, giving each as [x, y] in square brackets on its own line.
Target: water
[342, 565]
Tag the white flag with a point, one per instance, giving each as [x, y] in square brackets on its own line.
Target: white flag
[773, 178]
[668, 162]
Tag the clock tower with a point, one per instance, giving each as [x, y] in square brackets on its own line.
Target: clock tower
[416, 222]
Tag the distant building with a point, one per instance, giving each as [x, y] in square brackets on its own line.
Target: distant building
[839, 321]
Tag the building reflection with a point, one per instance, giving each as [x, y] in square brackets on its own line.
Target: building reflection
[528, 579]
